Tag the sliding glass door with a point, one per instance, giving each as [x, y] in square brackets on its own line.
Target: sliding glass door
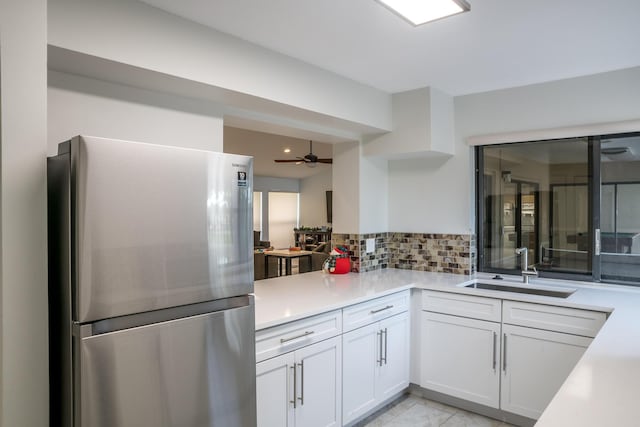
[569, 236]
[532, 196]
[620, 211]
[516, 224]
[573, 203]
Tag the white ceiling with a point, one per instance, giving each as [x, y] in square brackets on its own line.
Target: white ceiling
[266, 147]
[498, 44]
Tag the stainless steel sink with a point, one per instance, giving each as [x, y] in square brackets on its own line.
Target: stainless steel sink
[546, 291]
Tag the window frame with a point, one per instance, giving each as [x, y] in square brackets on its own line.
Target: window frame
[594, 185]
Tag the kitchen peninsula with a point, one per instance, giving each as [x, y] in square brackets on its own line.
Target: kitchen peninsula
[605, 376]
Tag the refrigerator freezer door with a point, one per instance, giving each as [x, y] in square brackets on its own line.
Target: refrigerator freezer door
[193, 372]
[156, 226]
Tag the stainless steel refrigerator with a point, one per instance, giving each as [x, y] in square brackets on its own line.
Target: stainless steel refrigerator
[150, 275]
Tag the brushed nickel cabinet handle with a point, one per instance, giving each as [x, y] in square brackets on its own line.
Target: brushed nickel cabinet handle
[301, 398]
[381, 309]
[495, 340]
[379, 335]
[295, 386]
[385, 346]
[306, 333]
[504, 352]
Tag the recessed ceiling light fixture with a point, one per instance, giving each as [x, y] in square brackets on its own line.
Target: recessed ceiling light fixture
[419, 12]
[287, 150]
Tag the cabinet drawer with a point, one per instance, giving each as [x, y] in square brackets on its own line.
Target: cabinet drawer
[291, 336]
[462, 305]
[362, 314]
[560, 319]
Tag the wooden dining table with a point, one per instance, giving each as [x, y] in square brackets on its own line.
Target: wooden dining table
[284, 255]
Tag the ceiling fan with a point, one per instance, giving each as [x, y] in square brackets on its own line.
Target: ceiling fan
[310, 159]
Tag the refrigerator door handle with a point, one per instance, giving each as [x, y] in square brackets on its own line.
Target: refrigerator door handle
[163, 315]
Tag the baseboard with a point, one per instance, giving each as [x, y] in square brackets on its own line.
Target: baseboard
[487, 411]
[382, 407]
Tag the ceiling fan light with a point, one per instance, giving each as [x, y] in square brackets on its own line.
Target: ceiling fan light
[311, 164]
[419, 12]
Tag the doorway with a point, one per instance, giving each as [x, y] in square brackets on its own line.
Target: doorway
[518, 205]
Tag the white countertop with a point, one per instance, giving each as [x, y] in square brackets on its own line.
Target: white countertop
[603, 388]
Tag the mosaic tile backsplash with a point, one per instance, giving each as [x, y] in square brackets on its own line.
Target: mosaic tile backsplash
[445, 253]
[356, 244]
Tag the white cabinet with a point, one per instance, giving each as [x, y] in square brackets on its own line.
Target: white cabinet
[301, 388]
[535, 365]
[360, 363]
[540, 346]
[461, 357]
[393, 371]
[274, 390]
[375, 358]
[366, 313]
[319, 388]
[291, 336]
[299, 373]
[573, 321]
[503, 354]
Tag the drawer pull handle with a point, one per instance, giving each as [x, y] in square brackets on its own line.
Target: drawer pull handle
[306, 333]
[381, 309]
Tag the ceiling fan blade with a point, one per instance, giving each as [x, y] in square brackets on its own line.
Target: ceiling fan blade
[286, 161]
[328, 161]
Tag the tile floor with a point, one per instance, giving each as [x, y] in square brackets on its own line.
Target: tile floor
[414, 411]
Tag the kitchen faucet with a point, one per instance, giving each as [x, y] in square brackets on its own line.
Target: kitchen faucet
[526, 273]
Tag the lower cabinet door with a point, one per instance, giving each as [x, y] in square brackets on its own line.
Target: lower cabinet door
[535, 366]
[319, 384]
[274, 391]
[361, 350]
[394, 365]
[460, 357]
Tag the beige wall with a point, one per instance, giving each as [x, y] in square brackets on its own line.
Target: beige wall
[23, 276]
[83, 106]
[313, 205]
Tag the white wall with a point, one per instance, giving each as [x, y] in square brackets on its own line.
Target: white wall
[283, 218]
[422, 126]
[313, 200]
[361, 194]
[266, 147]
[134, 33]
[346, 187]
[374, 196]
[266, 184]
[23, 277]
[430, 195]
[437, 196]
[83, 106]
[269, 183]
